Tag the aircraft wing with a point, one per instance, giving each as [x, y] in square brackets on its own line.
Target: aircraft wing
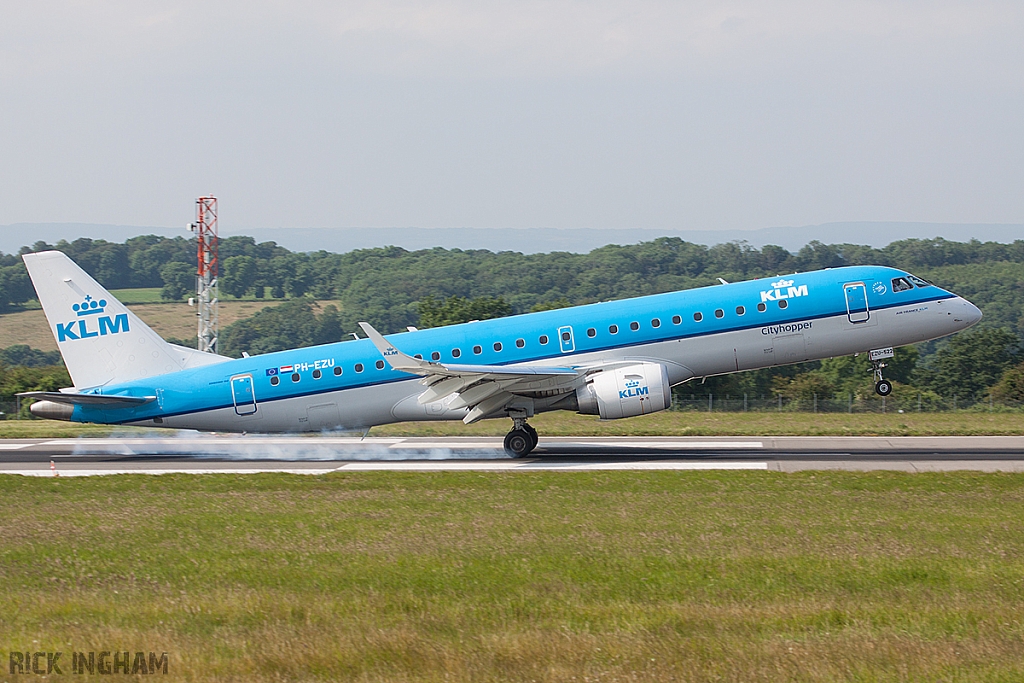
[483, 389]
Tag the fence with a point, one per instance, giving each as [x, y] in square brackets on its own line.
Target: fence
[897, 402]
[9, 410]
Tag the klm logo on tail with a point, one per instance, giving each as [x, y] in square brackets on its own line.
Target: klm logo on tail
[91, 322]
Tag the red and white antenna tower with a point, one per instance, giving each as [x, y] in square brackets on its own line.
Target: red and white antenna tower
[205, 228]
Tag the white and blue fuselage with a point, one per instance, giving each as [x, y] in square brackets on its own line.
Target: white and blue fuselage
[683, 335]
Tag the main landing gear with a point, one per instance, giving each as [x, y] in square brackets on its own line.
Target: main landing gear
[883, 387]
[522, 439]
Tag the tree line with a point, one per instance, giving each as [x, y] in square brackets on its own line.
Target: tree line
[387, 284]
[23, 368]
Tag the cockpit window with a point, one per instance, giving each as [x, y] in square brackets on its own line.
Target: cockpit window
[920, 282]
[900, 284]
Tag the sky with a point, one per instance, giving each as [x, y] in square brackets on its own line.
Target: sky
[655, 115]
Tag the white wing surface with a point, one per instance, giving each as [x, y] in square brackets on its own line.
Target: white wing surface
[484, 389]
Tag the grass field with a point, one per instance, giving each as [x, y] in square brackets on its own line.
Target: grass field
[601, 576]
[959, 423]
[139, 295]
[168, 320]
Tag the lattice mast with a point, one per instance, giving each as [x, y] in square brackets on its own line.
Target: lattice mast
[207, 297]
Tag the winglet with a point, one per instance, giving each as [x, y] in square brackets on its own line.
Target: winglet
[397, 359]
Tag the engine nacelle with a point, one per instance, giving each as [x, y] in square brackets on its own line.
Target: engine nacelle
[624, 392]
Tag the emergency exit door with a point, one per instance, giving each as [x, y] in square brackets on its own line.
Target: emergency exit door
[242, 394]
[857, 302]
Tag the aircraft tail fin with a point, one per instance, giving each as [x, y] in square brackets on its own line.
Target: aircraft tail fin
[100, 340]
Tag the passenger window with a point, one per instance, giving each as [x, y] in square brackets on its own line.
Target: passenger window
[698, 316]
[543, 339]
[435, 356]
[337, 370]
[740, 310]
[359, 367]
[566, 336]
[719, 313]
[676, 320]
[900, 284]
[456, 353]
[274, 381]
[520, 343]
[783, 303]
[655, 323]
[762, 307]
[317, 374]
[634, 326]
[379, 365]
[478, 350]
[497, 346]
[295, 377]
[613, 329]
[591, 332]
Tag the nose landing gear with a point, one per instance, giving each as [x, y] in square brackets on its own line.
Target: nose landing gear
[883, 387]
[522, 439]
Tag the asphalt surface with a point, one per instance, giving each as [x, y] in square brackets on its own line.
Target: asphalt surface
[202, 453]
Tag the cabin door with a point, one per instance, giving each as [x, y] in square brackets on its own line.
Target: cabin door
[857, 302]
[789, 348]
[323, 416]
[242, 394]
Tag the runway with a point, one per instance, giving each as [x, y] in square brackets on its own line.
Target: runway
[235, 454]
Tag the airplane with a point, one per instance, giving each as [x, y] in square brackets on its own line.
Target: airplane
[614, 359]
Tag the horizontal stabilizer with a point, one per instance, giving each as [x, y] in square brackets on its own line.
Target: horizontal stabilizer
[99, 400]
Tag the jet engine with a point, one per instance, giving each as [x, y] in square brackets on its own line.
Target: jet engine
[624, 392]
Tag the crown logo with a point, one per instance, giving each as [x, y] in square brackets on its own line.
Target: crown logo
[90, 306]
[782, 283]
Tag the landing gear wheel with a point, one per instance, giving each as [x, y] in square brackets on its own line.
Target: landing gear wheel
[518, 443]
[533, 435]
[883, 387]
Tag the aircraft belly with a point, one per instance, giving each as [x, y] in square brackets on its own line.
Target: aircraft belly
[346, 409]
[323, 416]
[886, 331]
[710, 355]
[751, 350]
[410, 409]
